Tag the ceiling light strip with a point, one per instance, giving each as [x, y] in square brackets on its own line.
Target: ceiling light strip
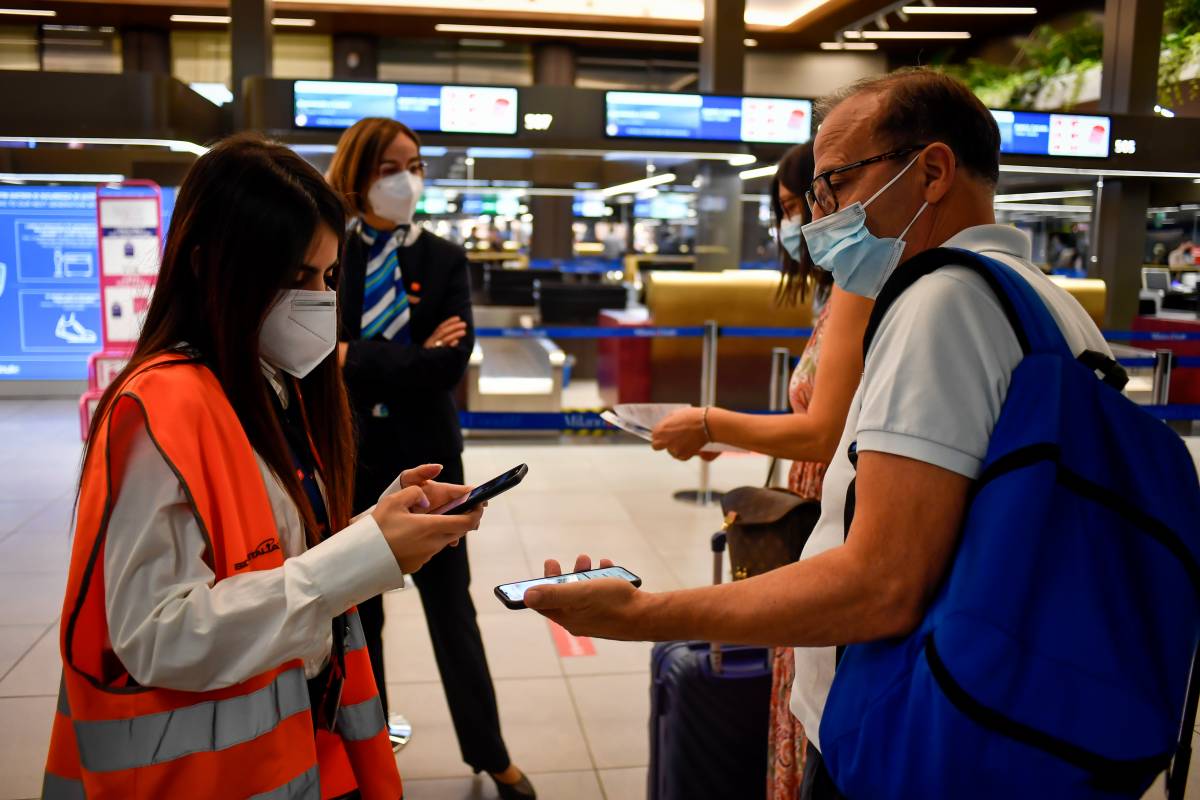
[61, 177]
[570, 33]
[758, 172]
[898, 35]
[1002, 10]
[638, 185]
[1064, 208]
[202, 19]
[28, 12]
[849, 46]
[1055, 195]
[1096, 172]
[293, 22]
[177, 145]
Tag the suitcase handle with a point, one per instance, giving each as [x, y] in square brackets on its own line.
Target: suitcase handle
[718, 549]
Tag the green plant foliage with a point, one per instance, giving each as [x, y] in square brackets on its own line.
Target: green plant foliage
[1182, 17]
[1048, 55]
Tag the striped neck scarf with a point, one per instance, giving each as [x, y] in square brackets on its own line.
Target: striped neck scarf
[386, 311]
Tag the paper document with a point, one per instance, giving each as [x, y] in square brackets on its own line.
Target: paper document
[640, 419]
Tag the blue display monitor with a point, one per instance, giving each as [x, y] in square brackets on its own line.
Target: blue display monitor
[50, 280]
[423, 107]
[664, 205]
[655, 115]
[1036, 133]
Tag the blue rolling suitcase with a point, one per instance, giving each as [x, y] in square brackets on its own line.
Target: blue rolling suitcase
[709, 717]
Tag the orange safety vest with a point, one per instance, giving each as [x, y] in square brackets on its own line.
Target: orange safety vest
[113, 738]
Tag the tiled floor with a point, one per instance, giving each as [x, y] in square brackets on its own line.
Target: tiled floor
[577, 724]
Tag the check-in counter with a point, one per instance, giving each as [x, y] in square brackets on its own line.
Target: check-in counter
[637, 264]
[1091, 293]
[732, 298]
[508, 375]
[479, 260]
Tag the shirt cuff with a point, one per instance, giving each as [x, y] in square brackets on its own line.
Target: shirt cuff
[918, 449]
[352, 566]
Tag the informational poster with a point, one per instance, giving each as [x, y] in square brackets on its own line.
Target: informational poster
[435, 108]
[130, 232]
[50, 310]
[49, 268]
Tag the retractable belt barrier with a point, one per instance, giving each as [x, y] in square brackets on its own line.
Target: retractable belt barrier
[572, 332]
[591, 421]
[1152, 336]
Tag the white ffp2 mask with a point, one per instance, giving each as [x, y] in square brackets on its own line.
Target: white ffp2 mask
[395, 197]
[300, 331]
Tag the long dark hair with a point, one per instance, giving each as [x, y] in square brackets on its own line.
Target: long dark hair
[244, 219]
[795, 171]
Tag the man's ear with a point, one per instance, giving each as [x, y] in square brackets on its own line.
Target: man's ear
[938, 168]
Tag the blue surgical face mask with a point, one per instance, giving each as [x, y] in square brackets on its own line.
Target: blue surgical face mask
[859, 260]
[790, 237]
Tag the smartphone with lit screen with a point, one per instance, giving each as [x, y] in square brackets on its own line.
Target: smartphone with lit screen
[513, 594]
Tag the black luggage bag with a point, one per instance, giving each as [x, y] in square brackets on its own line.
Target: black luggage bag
[709, 717]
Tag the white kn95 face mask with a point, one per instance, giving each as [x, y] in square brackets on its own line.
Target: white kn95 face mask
[300, 331]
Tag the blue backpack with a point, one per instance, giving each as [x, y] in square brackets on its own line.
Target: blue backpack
[1055, 658]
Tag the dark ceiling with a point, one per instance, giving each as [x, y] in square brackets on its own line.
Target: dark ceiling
[820, 26]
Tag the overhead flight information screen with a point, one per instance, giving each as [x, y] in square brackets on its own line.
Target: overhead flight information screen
[1040, 134]
[423, 107]
[655, 115]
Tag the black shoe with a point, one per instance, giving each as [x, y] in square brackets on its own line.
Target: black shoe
[521, 790]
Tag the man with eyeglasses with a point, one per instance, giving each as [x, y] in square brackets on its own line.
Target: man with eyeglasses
[904, 163]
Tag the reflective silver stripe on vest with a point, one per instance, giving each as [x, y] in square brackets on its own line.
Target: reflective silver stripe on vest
[361, 721]
[64, 707]
[56, 787]
[302, 787]
[355, 638]
[108, 745]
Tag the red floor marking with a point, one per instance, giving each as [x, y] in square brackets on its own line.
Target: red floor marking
[569, 645]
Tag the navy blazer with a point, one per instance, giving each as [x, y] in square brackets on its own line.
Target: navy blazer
[403, 394]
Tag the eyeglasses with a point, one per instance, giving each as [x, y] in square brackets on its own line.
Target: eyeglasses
[820, 192]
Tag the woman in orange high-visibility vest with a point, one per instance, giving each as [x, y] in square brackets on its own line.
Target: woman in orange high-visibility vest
[210, 643]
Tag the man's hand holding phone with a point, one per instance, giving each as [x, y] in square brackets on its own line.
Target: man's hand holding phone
[606, 608]
[415, 536]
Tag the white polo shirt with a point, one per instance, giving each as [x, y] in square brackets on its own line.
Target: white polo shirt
[932, 389]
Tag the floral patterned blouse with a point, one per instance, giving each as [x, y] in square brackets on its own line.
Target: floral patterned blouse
[806, 477]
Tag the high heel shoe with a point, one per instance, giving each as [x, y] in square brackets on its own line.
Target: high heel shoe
[521, 790]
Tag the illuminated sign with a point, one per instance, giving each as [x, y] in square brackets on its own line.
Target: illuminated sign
[422, 107]
[538, 122]
[1037, 133]
[654, 115]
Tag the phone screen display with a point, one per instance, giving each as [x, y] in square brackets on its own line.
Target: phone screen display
[516, 591]
[484, 491]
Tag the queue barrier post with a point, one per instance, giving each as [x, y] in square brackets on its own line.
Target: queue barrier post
[705, 496]
[778, 400]
[1161, 391]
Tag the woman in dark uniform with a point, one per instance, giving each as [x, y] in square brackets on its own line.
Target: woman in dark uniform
[406, 304]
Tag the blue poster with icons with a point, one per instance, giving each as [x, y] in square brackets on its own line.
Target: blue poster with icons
[49, 280]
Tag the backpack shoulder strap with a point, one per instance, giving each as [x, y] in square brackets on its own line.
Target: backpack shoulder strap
[1032, 323]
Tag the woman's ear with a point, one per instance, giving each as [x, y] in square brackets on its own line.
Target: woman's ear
[938, 170]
